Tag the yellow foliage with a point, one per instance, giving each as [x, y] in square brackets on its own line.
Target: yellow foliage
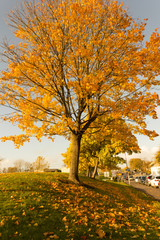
[76, 61]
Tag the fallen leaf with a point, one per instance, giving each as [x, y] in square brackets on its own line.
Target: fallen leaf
[48, 233]
[54, 236]
[64, 219]
[83, 237]
[100, 233]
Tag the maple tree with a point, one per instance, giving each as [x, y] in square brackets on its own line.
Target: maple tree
[75, 61]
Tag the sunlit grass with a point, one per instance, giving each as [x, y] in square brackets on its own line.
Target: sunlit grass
[46, 206]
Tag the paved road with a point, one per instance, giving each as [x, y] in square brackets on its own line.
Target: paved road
[154, 192]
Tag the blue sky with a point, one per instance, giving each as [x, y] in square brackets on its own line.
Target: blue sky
[52, 150]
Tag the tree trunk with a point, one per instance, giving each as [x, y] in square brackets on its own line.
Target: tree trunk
[88, 171]
[73, 174]
[95, 169]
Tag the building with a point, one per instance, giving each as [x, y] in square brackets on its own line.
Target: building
[155, 170]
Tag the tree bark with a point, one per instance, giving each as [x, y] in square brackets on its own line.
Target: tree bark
[73, 174]
[88, 171]
[95, 168]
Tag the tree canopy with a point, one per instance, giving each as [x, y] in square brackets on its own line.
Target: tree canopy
[100, 148]
[75, 61]
[139, 164]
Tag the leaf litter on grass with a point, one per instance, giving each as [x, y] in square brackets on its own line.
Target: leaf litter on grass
[50, 208]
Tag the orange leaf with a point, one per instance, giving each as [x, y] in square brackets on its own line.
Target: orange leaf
[100, 233]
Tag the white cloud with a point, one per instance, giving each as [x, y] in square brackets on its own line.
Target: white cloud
[5, 163]
[147, 153]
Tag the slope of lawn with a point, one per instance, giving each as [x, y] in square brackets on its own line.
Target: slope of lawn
[41, 206]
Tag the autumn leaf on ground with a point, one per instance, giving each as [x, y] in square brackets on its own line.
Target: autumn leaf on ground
[54, 236]
[64, 219]
[100, 233]
[48, 233]
[83, 237]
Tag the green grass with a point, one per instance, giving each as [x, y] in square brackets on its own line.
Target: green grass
[41, 206]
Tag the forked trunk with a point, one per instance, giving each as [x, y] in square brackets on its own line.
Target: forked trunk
[73, 174]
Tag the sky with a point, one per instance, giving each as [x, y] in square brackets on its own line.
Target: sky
[141, 9]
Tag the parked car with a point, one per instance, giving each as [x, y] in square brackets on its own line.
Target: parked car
[138, 179]
[143, 179]
[148, 180]
[155, 181]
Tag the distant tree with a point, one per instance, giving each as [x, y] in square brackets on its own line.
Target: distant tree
[157, 157]
[40, 163]
[19, 164]
[147, 166]
[27, 166]
[4, 170]
[12, 169]
[136, 164]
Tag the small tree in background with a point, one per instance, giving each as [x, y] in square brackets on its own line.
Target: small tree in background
[157, 157]
[40, 164]
[136, 164]
[140, 165]
[147, 166]
[28, 167]
[12, 169]
[20, 165]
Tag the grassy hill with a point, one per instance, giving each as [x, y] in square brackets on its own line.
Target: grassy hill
[46, 206]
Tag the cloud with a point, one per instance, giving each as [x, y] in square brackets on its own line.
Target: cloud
[5, 163]
[147, 153]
